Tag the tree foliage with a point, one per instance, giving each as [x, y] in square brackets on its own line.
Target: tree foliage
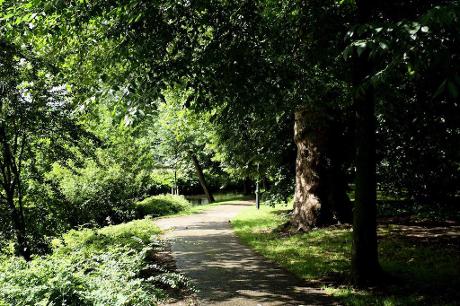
[221, 85]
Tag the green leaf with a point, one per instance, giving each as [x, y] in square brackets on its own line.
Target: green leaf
[347, 52]
[457, 79]
[453, 90]
[440, 89]
[383, 45]
[360, 47]
[415, 29]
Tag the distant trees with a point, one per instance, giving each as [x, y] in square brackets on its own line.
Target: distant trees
[183, 135]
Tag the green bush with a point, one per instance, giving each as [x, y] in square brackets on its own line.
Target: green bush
[162, 205]
[98, 194]
[92, 267]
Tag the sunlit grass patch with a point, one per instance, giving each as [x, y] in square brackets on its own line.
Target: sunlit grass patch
[203, 207]
[426, 274]
[309, 255]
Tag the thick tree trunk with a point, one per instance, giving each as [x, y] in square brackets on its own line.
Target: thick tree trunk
[365, 264]
[199, 172]
[320, 199]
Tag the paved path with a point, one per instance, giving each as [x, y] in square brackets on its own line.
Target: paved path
[226, 272]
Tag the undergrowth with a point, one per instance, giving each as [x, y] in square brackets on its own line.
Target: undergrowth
[93, 267]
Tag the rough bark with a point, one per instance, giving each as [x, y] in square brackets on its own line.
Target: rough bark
[320, 192]
[365, 264]
[201, 178]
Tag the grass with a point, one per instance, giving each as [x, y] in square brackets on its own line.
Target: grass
[133, 235]
[218, 197]
[194, 209]
[427, 274]
[166, 206]
[225, 197]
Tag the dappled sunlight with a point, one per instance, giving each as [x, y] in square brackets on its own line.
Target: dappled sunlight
[225, 271]
[324, 254]
[277, 152]
[309, 255]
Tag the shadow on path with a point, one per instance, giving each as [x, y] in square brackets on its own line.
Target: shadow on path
[228, 273]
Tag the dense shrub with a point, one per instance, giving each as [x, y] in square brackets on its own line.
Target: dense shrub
[98, 194]
[161, 205]
[92, 267]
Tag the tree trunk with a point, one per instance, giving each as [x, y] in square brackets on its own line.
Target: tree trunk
[365, 264]
[21, 245]
[319, 199]
[11, 184]
[199, 172]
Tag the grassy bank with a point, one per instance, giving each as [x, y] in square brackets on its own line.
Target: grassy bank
[427, 273]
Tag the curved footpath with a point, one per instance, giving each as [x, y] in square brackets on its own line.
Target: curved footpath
[226, 272]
